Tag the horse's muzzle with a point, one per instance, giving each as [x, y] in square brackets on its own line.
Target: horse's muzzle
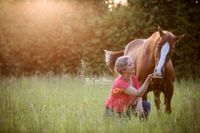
[158, 74]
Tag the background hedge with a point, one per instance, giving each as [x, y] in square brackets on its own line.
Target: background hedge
[38, 37]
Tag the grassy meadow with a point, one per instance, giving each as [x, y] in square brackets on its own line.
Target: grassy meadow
[64, 104]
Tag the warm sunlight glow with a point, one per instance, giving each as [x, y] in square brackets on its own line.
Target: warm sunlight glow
[44, 9]
[121, 2]
[39, 36]
[115, 3]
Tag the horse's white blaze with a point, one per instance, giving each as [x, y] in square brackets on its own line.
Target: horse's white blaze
[163, 54]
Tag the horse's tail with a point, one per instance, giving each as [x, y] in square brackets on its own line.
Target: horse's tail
[111, 57]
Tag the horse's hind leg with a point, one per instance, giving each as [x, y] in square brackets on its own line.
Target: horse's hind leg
[168, 96]
[157, 98]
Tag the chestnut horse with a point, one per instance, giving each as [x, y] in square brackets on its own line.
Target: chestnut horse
[151, 55]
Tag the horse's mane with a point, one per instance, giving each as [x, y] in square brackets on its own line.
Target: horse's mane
[154, 36]
[157, 35]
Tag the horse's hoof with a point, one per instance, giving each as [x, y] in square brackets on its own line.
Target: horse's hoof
[168, 111]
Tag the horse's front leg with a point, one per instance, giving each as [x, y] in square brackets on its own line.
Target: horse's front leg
[144, 97]
[168, 96]
[157, 98]
[154, 87]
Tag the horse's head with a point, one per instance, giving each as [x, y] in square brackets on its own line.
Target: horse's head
[164, 50]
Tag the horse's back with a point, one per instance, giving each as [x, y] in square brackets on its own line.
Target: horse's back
[133, 48]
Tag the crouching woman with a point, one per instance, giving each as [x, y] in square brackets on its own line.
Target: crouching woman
[125, 94]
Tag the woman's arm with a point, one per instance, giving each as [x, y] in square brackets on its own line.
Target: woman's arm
[133, 91]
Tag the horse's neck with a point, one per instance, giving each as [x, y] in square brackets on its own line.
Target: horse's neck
[145, 59]
[148, 52]
[150, 46]
[134, 48]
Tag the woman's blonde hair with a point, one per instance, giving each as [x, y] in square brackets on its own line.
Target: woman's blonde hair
[120, 64]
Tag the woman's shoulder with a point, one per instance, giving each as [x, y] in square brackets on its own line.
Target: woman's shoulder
[119, 82]
[133, 77]
[135, 81]
[118, 79]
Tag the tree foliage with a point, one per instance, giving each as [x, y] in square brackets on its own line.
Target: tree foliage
[38, 38]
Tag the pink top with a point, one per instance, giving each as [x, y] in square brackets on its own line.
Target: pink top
[118, 100]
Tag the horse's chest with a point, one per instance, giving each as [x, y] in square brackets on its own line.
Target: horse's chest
[157, 84]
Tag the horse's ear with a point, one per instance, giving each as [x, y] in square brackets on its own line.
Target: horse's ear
[160, 31]
[179, 37]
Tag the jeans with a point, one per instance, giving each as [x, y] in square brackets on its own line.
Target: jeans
[147, 107]
[131, 110]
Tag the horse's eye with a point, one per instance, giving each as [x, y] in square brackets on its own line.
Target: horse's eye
[159, 46]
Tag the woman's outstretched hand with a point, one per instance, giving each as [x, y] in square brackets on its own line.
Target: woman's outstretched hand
[150, 76]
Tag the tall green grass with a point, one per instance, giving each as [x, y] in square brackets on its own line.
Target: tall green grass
[63, 104]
